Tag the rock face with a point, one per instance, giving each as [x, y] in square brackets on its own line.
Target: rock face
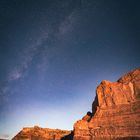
[115, 115]
[115, 111]
[37, 133]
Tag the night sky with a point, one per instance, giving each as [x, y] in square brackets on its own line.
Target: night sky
[54, 53]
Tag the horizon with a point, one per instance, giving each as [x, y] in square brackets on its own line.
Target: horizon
[53, 55]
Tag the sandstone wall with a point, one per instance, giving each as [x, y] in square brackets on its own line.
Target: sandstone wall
[115, 111]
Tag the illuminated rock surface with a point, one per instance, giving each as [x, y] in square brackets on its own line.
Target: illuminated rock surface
[115, 115]
[37, 133]
[115, 111]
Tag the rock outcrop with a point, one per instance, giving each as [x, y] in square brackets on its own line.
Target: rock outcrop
[37, 133]
[115, 111]
[115, 115]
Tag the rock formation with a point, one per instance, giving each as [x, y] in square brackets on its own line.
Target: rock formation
[115, 111]
[37, 133]
[115, 115]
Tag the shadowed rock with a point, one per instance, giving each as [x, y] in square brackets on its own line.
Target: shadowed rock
[68, 137]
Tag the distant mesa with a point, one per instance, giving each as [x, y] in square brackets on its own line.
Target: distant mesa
[115, 115]
[37, 133]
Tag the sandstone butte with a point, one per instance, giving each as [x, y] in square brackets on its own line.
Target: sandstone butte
[115, 115]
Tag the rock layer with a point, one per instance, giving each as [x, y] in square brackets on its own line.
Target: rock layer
[115, 111]
[115, 115]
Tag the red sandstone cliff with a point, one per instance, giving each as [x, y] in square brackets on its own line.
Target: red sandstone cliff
[115, 111]
[115, 115]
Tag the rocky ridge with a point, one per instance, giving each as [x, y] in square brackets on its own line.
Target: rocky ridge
[115, 114]
[37, 133]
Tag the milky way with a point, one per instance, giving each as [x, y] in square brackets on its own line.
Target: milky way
[54, 53]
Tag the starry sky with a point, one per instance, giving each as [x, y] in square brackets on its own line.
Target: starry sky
[54, 53]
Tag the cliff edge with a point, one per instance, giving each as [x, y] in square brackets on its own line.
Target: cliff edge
[115, 111]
